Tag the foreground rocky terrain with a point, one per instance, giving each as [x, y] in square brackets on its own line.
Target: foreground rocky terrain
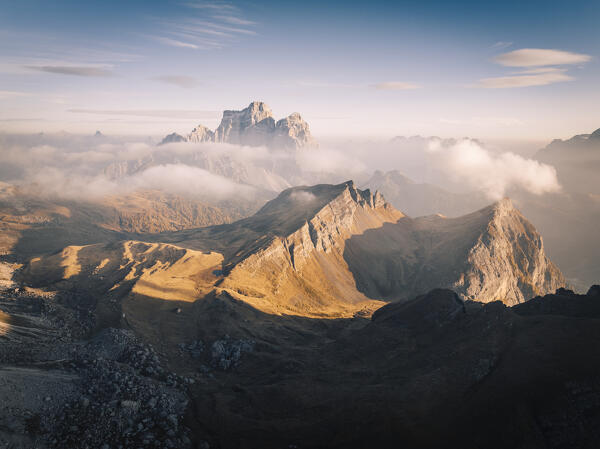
[431, 372]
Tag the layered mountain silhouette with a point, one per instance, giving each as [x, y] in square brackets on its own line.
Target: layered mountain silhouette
[253, 126]
[417, 199]
[577, 161]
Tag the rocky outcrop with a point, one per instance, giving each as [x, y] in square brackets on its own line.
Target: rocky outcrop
[489, 255]
[173, 138]
[253, 126]
[201, 134]
[508, 261]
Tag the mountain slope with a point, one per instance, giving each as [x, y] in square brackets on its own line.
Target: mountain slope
[492, 254]
[333, 251]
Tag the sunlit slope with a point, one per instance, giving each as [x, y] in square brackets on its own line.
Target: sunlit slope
[319, 251]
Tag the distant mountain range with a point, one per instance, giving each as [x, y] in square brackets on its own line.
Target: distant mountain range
[253, 126]
[417, 199]
[577, 161]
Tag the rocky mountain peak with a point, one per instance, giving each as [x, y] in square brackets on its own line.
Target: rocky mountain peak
[595, 134]
[173, 138]
[201, 134]
[255, 126]
[504, 206]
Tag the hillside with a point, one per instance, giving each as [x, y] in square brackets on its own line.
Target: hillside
[320, 251]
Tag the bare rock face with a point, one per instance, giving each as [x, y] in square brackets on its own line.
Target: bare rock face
[493, 254]
[508, 260]
[293, 132]
[173, 138]
[254, 126]
[235, 124]
[201, 134]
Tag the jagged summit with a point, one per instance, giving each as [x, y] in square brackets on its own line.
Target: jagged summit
[255, 126]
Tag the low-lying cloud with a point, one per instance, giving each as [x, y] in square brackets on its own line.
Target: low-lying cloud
[91, 167]
[493, 174]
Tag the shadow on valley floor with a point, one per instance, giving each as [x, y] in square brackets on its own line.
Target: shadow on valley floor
[433, 372]
[430, 372]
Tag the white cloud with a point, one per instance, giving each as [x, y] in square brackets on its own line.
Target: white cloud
[501, 45]
[396, 85]
[302, 196]
[235, 20]
[541, 79]
[469, 162]
[215, 6]
[535, 57]
[537, 68]
[167, 113]
[12, 94]
[176, 43]
[187, 82]
[484, 121]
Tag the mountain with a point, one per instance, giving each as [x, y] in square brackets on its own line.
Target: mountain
[325, 250]
[577, 161]
[417, 199]
[287, 258]
[32, 224]
[253, 126]
[569, 224]
[489, 255]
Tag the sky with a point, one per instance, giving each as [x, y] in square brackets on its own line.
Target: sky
[513, 70]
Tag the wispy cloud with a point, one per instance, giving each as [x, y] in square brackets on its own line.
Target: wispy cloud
[501, 45]
[536, 57]
[213, 6]
[176, 43]
[538, 68]
[540, 79]
[225, 28]
[169, 113]
[213, 25]
[484, 121]
[324, 84]
[186, 82]
[235, 20]
[396, 85]
[86, 71]
[12, 94]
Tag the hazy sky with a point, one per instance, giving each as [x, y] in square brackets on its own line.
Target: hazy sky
[508, 69]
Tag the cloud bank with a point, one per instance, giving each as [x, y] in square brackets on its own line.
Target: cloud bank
[91, 167]
[493, 174]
